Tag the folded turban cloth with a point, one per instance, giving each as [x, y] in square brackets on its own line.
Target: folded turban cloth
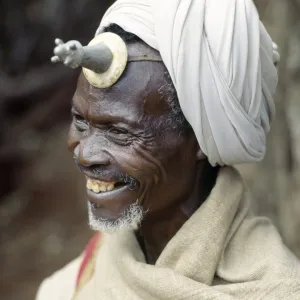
[220, 59]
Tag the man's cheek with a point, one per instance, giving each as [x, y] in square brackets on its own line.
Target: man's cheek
[128, 160]
[141, 164]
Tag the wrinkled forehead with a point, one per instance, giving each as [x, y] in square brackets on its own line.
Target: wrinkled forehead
[138, 90]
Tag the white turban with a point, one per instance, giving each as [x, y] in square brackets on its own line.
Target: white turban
[220, 59]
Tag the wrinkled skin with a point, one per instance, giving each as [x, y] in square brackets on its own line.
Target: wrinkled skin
[122, 129]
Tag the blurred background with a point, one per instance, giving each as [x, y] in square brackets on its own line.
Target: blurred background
[42, 213]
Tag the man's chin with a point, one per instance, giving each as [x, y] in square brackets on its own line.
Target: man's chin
[130, 219]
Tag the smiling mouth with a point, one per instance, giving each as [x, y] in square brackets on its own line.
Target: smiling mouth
[98, 186]
[110, 198]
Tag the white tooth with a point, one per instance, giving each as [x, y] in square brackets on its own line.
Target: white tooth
[102, 188]
[96, 188]
[110, 187]
[89, 184]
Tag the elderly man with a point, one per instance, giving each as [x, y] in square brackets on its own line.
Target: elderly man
[172, 94]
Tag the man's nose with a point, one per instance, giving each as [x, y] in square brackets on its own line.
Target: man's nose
[89, 153]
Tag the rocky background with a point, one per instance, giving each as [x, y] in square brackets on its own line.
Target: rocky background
[42, 215]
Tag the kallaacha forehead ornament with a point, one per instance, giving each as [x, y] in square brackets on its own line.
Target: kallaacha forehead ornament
[103, 60]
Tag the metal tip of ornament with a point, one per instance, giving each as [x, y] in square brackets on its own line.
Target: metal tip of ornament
[58, 42]
[54, 59]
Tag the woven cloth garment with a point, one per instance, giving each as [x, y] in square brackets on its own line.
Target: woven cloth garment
[66, 283]
[221, 252]
[62, 284]
[220, 59]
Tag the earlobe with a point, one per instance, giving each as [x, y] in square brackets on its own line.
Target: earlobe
[200, 155]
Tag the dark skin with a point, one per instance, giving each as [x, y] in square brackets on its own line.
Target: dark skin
[123, 130]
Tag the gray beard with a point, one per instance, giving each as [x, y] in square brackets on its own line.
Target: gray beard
[129, 220]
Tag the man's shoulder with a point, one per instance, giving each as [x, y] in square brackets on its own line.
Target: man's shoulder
[62, 284]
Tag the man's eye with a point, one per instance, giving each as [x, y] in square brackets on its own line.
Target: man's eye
[115, 130]
[80, 123]
[119, 136]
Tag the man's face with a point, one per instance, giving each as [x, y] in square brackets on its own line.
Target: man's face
[121, 139]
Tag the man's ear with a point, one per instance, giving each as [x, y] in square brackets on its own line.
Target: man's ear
[200, 155]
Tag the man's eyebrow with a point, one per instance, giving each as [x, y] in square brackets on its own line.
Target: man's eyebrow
[74, 109]
[104, 118]
[109, 119]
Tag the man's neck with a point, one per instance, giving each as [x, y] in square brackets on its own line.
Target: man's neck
[156, 231]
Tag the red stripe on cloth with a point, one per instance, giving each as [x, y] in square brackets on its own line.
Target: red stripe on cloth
[88, 253]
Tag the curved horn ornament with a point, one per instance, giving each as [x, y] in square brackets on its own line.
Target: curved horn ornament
[103, 61]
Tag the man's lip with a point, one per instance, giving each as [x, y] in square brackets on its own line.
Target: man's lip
[103, 197]
[112, 204]
[108, 180]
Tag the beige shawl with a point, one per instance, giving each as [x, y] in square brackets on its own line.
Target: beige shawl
[221, 252]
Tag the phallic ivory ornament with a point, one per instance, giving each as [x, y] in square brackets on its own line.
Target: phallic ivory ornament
[103, 60]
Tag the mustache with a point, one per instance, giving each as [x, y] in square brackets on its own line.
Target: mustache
[110, 175]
